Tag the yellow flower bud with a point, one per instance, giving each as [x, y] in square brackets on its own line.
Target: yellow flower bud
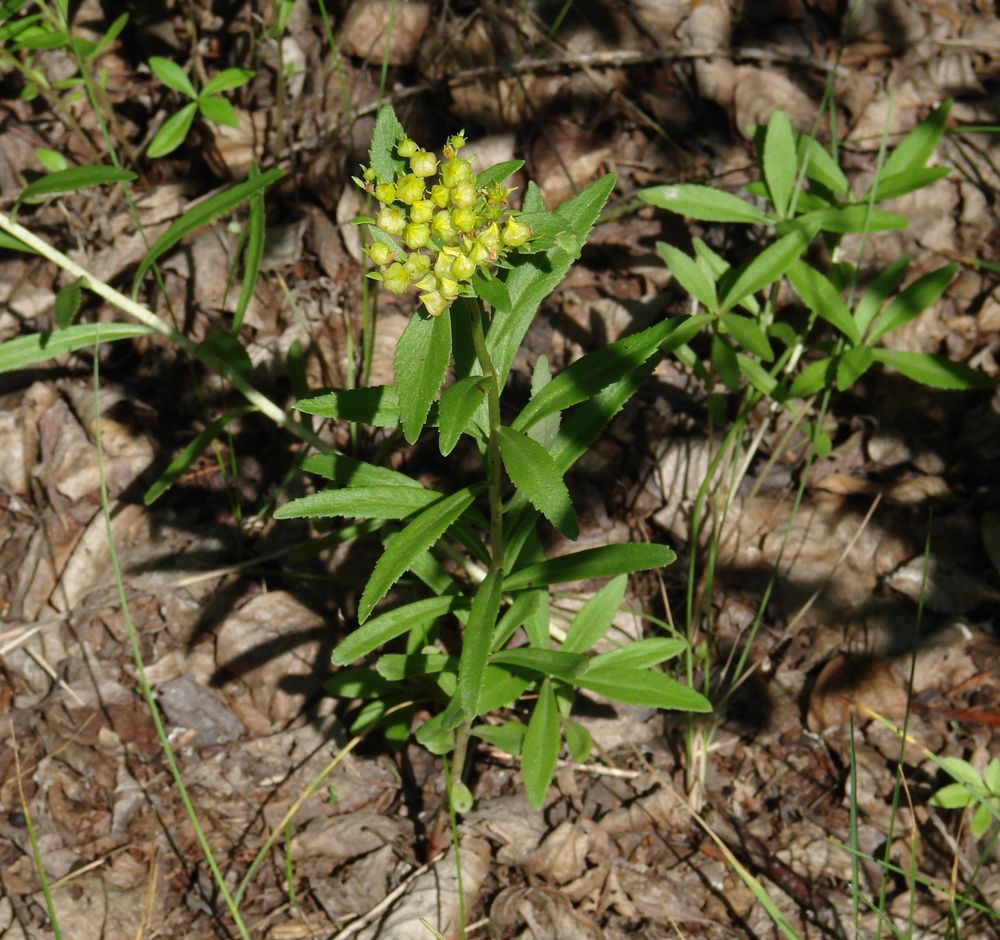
[380, 253]
[417, 265]
[391, 219]
[515, 233]
[463, 267]
[489, 238]
[416, 235]
[464, 219]
[410, 189]
[435, 303]
[441, 195]
[448, 287]
[423, 163]
[442, 225]
[464, 195]
[454, 171]
[480, 254]
[396, 279]
[406, 148]
[385, 193]
[422, 211]
[428, 283]
[444, 260]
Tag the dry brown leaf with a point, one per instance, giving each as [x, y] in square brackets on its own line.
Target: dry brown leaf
[562, 856]
[547, 915]
[848, 682]
[371, 24]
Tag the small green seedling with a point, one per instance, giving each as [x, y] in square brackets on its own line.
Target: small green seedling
[477, 650]
[971, 789]
[208, 102]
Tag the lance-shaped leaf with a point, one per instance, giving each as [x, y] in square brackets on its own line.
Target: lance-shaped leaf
[768, 267]
[912, 301]
[359, 502]
[593, 620]
[643, 687]
[748, 334]
[458, 404]
[421, 533]
[476, 642]
[641, 654]
[24, 351]
[915, 148]
[933, 370]
[604, 562]
[420, 363]
[689, 275]
[780, 161]
[556, 663]
[703, 203]
[532, 470]
[349, 471]
[74, 178]
[822, 298]
[376, 406]
[540, 749]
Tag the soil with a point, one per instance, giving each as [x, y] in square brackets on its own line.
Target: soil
[877, 594]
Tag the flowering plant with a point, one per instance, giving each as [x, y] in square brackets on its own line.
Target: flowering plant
[485, 647]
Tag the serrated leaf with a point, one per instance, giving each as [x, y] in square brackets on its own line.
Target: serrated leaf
[498, 172]
[218, 110]
[476, 642]
[912, 301]
[359, 502]
[851, 365]
[202, 214]
[748, 334]
[532, 470]
[579, 742]
[933, 371]
[915, 148]
[420, 363]
[594, 619]
[703, 203]
[458, 404]
[540, 750]
[226, 80]
[822, 298]
[780, 161]
[24, 351]
[183, 461]
[643, 687]
[67, 303]
[418, 536]
[393, 623]
[74, 178]
[382, 154]
[556, 663]
[604, 562]
[769, 266]
[172, 75]
[348, 471]
[687, 273]
[642, 654]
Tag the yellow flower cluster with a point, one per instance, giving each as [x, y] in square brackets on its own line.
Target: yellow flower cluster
[449, 228]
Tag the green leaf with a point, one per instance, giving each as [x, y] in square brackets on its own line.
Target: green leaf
[579, 743]
[587, 376]
[594, 619]
[933, 370]
[358, 683]
[182, 462]
[498, 172]
[843, 219]
[357, 502]
[703, 203]
[202, 214]
[643, 687]
[421, 361]
[532, 470]
[24, 351]
[76, 177]
[821, 167]
[348, 471]
[220, 348]
[397, 667]
[226, 80]
[555, 663]
[759, 377]
[393, 623]
[725, 363]
[253, 254]
[218, 110]
[813, 377]
[916, 147]
[875, 295]
[912, 301]
[382, 155]
[890, 187]
[172, 75]
[533, 277]
[962, 771]
[769, 266]
[458, 404]
[509, 736]
[540, 751]
[750, 336]
[640, 654]
[992, 777]
[691, 277]
[953, 796]
[780, 161]
[376, 405]
[604, 562]
[981, 820]
[421, 533]
[545, 430]
[476, 642]
[851, 365]
[68, 303]
[822, 298]
[109, 37]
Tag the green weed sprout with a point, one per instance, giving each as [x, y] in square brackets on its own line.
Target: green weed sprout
[971, 788]
[477, 650]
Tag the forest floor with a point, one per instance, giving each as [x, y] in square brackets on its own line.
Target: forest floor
[883, 583]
